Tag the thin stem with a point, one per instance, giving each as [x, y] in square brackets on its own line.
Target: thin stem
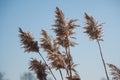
[69, 65]
[103, 60]
[70, 62]
[61, 74]
[69, 56]
[47, 66]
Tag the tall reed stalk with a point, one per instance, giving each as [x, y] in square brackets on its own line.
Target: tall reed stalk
[69, 61]
[31, 45]
[61, 59]
[103, 60]
[95, 32]
[54, 54]
[64, 31]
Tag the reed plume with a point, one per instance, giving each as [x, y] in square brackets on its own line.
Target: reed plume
[93, 29]
[115, 72]
[64, 31]
[28, 41]
[39, 68]
[46, 43]
[95, 32]
[54, 55]
[31, 45]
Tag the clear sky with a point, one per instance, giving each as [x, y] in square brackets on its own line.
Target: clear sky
[34, 15]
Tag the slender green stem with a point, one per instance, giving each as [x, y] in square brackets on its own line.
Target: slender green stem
[103, 60]
[61, 74]
[47, 66]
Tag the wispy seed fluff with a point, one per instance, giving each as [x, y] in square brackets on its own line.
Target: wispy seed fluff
[39, 68]
[28, 41]
[93, 29]
[115, 72]
[64, 29]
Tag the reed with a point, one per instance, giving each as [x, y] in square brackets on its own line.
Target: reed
[30, 45]
[64, 32]
[115, 72]
[56, 57]
[58, 48]
[95, 32]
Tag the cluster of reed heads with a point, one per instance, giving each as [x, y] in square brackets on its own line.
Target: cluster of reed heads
[58, 48]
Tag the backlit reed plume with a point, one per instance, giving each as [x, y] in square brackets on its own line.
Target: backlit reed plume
[64, 29]
[64, 32]
[57, 61]
[31, 45]
[93, 29]
[46, 41]
[28, 41]
[115, 72]
[39, 68]
[54, 55]
[95, 32]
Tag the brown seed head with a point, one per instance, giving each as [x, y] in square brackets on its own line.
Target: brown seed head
[57, 60]
[93, 29]
[64, 29]
[39, 68]
[115, 72]
[28, 41]
[46, 43]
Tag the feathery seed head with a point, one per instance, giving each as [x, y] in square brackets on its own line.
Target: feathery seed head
[93, 29]
[115, 72]
[39, 68]
[28, 41]
[46, 43]
[57, 60]
[64, 29]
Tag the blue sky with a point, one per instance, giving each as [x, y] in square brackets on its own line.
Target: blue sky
[34, 15]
